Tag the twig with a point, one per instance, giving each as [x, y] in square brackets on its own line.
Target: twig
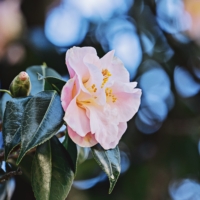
[8, 175]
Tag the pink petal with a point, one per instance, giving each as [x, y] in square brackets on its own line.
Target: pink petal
[93, 115]
[118, 71]
[103, 125]
[74, 61]
[77, 119]
[115, 67]
[119, 87]
[127, 103]
[92, 62]
[107, 59]
[122, 128]
[107, 131]
[107, 135]
[75, 116]
[96, 78]
[92, 59]
[87, 141]
[67, 93]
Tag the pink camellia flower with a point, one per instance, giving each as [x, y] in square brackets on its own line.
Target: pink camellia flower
[98, 99]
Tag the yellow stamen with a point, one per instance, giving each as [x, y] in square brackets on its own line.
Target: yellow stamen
[109, 94]
[94, 89]
[114, 99]
[105, 72]
[106, 75]
[86, 102]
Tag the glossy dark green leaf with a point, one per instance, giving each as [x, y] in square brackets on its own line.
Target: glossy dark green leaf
[38, 86]
[71, 148]
[52, 83]
[109, 161]
[6, 97]
[43, 117]
[12, 123]
[26, 165]
[52, 174]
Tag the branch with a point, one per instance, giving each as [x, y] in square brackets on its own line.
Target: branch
[8, 175]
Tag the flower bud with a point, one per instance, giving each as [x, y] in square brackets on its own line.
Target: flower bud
[21, 85]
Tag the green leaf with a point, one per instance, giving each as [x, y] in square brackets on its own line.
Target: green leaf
[83, 153]
[38, 86]
[52, 83]
[43, 117]
[52, 174]
[71, 148]
[109, 161]
[6, 97]
[26, 165]
[12, 123]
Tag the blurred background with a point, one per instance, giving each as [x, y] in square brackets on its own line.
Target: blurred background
[159, 44]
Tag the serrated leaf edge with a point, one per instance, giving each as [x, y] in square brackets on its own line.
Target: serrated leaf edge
[20, 157]
[18, 161]
[6, 158]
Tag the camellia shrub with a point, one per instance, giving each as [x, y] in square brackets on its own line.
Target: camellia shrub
[94, 106]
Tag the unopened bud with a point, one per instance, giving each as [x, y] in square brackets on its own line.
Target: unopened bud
[21, 85]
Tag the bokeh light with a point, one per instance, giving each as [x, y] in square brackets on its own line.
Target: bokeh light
[61, 30]
[172, 17]
[186, 86]
[155, 81]
[101, 10]
[120, 34]
[157, 97]
[148, 42]
[186, 189]
[11, 23]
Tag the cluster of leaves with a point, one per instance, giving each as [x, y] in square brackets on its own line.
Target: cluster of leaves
[31, 125]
